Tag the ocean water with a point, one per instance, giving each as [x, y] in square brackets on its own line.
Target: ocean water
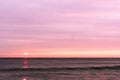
[60, 69]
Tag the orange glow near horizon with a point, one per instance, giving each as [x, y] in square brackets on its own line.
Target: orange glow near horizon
[68, 54]
[74, 54]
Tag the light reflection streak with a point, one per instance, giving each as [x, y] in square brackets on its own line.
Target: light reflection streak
[25, 66]
[24, 77]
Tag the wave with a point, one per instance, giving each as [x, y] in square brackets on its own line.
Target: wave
[63, 69]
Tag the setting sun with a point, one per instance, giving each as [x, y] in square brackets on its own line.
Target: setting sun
[25, 53]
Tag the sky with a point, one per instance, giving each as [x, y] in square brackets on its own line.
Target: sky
[60, 28]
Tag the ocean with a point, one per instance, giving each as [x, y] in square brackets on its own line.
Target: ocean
[60, 69]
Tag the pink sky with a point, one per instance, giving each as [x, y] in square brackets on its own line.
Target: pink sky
[60, 28]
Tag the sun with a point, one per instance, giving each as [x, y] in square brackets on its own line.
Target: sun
[25, 53]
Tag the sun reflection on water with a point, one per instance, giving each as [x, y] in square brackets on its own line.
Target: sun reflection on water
[24, 77]
[25, 66]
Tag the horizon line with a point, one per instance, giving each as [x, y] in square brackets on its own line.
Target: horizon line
[61, 57]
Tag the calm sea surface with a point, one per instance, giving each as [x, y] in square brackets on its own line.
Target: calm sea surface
[60, 69]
